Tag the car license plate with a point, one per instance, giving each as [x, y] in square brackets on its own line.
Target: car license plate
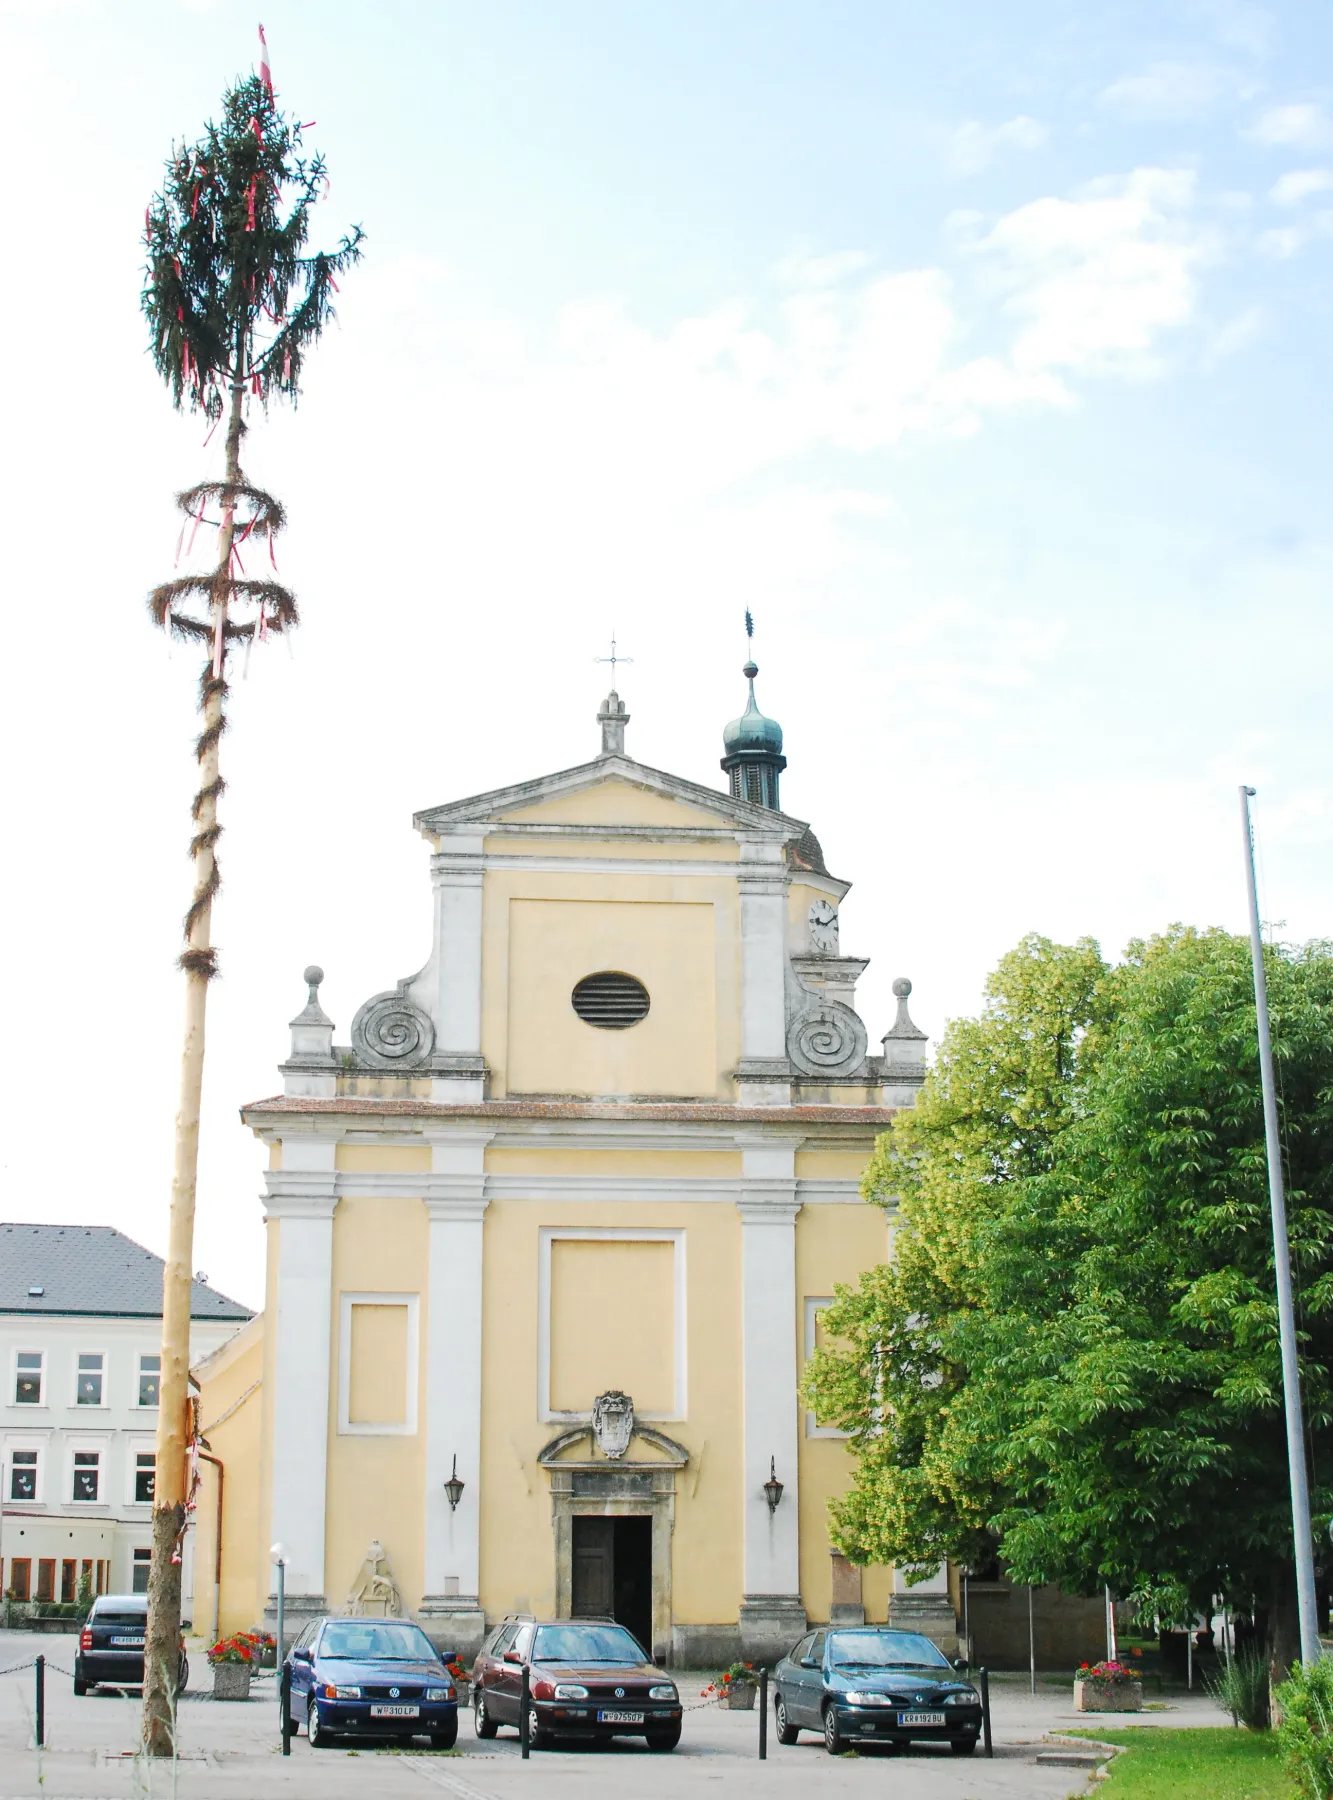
[619, 1718]
[920, 1718]
[129, 1642]
[395, 1712]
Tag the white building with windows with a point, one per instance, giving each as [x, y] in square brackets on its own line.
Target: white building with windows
[80, 1330]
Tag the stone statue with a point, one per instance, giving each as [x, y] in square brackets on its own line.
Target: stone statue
[374, 1594]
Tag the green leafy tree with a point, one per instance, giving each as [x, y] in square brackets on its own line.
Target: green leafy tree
[1074, 1353]
[234, 303]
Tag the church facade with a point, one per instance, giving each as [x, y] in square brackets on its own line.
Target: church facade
[549, 1239]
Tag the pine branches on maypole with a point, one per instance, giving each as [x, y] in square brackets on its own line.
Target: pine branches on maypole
[235, 302]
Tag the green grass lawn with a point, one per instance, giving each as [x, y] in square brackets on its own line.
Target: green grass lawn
[1212, 1763]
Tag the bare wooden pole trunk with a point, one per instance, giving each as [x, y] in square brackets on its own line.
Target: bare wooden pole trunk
[162, 1640]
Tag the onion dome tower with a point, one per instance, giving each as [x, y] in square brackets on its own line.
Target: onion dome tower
[753, 745]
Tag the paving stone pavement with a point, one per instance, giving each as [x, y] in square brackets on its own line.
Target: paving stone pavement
[232, 1752]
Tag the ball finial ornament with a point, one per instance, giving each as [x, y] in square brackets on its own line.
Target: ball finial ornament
[902, 988]
[313, 975]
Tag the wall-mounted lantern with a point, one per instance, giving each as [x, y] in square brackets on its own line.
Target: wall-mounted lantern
[772, 1487]
[454, 1487]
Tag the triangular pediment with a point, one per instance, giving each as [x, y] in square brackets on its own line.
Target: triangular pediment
[612, 794]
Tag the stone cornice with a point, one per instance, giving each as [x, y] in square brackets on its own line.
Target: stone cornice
[262, 1113]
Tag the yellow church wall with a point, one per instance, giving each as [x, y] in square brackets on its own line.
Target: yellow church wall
[517, 1543]
[721, 849]
[369, 1158]
[831, 1165]
[699, 1164]
[231, 1419]
[613, 1323]
[834, 1244]
[612, 803]
[542, 931]
[376, 1482]
[275, 1154]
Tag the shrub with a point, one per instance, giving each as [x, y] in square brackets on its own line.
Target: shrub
[1306, 1732]
[1240, 1688]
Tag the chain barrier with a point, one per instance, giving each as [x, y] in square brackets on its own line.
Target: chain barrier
[18, 1667]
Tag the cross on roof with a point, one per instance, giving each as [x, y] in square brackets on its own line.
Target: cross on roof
[613, 659]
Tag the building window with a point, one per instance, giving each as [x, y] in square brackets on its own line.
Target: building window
[145, 1469]
[69, 1570]
[92, 1372]
[150, 1379]
[142, 1562]
[20, 1577]
[46, 1578]
[87, 1474]
[29, 1371]
[23, 1474]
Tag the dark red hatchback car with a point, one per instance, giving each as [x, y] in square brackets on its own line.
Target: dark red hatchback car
[587, 1679]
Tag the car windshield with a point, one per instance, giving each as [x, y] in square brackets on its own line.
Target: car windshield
[365, 1640]
[585, 1644]
[884, 1650]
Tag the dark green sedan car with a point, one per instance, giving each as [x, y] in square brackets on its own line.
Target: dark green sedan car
[871, 1685]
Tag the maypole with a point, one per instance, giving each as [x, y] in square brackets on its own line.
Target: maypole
[234, 303]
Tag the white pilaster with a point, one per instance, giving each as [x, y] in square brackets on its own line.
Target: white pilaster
[456, 870]
[763, 1072]
[772, 1603]
[456, 1204]
[302, 1196]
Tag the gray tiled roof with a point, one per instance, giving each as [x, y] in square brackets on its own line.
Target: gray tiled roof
[92, 1269]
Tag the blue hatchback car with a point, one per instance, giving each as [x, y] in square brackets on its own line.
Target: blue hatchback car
[371, 1678]
[870, 1685]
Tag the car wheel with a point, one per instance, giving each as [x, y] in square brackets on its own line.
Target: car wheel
[320, 1736]
[482, 1722]
[834, 1742]
[80, 1688]
[664, 1740]
[787, 1732]
[446, 1738]
[538, 1737]
[963, 1746]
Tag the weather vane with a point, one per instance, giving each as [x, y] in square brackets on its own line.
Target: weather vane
[613, 659]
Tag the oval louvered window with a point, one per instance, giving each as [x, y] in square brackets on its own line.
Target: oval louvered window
[611, 1000]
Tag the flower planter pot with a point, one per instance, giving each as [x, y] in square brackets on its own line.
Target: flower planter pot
[738, 1696]
[231, 1681]
[1108, 1696]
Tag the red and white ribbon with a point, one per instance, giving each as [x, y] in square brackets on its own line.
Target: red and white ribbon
[265, 72]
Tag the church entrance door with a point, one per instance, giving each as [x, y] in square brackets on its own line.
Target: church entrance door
[612, 1573]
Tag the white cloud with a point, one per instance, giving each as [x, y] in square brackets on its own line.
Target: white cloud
[1171, 90]
[975, 146]
[1302, 124]
[1098, 279]
[1288, 240]
[1299, 184]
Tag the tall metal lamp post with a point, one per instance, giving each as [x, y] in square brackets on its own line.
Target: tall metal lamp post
[1303, 1543]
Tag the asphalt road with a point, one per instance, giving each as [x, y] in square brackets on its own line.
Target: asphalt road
[231, 1752]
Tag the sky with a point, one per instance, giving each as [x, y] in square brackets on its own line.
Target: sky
[984, 353]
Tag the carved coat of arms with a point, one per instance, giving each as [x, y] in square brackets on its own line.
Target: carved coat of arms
[613, 1423]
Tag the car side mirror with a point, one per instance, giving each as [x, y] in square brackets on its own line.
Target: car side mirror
[512, 1656]
[300, 1656]
[960, 1663]
[808, 1662]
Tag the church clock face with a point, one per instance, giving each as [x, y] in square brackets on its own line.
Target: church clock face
[823, 918]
